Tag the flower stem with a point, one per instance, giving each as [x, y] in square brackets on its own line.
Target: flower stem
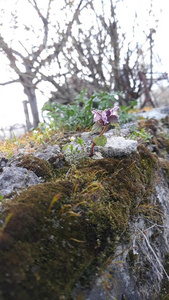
[93, 142]
[103, 131]
[92, 149]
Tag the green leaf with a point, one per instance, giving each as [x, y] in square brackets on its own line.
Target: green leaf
[65, 147]
[1, 197]
[71, 147]
[79, 141]
[100, 141]
[96, 128]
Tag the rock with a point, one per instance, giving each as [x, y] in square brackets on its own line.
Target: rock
[65, 229]
[101, 227]
[40, 167]
[117, 146]
[156, 113]
[144, 255]
[48, 152]
[52, 154]
[15, 178]
[3, 163]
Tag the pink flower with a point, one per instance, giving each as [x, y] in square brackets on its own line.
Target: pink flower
[106, 116]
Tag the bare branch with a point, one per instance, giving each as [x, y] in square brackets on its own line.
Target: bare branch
[23, 48]
[58, 47]
[155, 255]
[45, 21]
[10, 55]
[9, 82]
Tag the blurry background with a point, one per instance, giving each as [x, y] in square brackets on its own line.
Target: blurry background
[51, 50]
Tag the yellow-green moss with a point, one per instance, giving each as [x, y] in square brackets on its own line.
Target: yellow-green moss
[61, 230]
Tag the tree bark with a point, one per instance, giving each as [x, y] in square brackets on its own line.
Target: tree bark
[25, 106]
[30, 92]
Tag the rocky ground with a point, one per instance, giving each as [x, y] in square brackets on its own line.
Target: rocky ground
[80, 227]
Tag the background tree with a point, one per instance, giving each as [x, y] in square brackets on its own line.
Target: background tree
[28, 58]
[103, 56]
[67, 45]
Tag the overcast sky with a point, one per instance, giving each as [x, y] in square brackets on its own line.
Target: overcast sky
[11, 96]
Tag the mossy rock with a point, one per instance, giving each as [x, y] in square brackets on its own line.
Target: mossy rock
[163, 142]
[151, 125]
[56, 233]
[39, 166]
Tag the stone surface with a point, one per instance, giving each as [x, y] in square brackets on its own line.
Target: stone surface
[156, 113]
[48, 152]
[117, 146]
[52, 154]
[14, 178]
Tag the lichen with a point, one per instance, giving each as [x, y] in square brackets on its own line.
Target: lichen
[61, 230]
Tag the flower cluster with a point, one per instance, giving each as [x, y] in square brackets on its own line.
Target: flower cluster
[103, 118]
[107, 116]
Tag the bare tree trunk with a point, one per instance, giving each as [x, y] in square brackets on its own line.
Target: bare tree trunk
[30, 92]
[25, 106]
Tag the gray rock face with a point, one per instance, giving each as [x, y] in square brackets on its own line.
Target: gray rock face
[14, 178]
[48, 153]
[52, 154]
[156, 113]
[117, 146]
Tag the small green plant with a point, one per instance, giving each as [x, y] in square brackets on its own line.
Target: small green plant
[78, 114]
[141, 135]
[76, 150]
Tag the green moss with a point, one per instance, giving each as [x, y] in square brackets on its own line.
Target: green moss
[132, 258]
[38, 253]
[61, 230]
[161, 142]
[148, 162]
[164, 164]
[61, 173]
[39, 166]
[150, 125]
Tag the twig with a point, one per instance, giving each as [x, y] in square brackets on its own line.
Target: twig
[155, 255]
[9, 82]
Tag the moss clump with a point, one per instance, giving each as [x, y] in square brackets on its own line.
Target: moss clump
[150, 125]
[39, 166]
[61, 230]
[39, 254]
[164, 164]
[163, 142]
[148, 162]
